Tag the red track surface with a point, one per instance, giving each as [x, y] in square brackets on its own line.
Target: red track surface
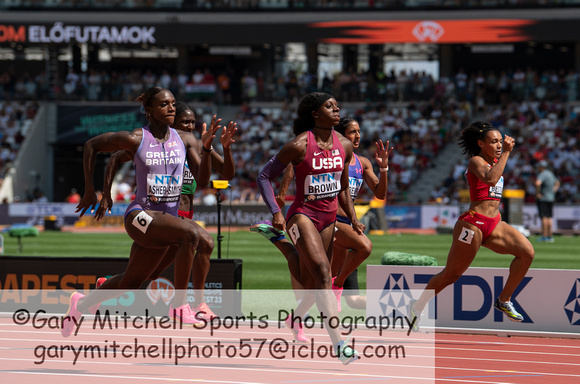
[440, 358]
[493, 359]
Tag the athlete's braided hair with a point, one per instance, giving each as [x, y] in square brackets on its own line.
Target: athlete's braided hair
[344, 122]
[309, 104]
[469, 136]
[181, 108]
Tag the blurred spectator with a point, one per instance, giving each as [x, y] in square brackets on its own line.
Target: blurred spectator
[73, 197]
[209, 197]
[124, 191]
[38, 196]
[546, 187]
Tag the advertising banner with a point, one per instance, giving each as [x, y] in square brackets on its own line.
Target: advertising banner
[433, 216]
[77, 124]
[566, 217]
[34, 213]
[59, 277]
[549, 299]
[399, 216]
[369, 28]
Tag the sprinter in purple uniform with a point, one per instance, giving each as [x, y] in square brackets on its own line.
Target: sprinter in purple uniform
[159, 153]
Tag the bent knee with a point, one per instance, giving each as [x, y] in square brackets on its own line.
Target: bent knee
[528, 253]
[366, 249]
[191, 237]
[206, 243]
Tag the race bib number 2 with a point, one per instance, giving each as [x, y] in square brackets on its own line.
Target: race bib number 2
[466, 235]
[142, 221]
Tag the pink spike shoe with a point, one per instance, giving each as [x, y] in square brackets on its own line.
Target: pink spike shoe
[203, 311]
[73, 315]
[95, 308]
[185, 315]
[296, 329]
[337, 293]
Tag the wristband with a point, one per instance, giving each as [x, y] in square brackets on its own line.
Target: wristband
[384, 169]
[208, 150]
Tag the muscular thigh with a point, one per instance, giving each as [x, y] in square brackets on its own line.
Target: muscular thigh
[152, 229]
[314, 248]
[505, 239]
[466, 243]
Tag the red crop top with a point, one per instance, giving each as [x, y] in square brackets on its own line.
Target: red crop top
[478, 190]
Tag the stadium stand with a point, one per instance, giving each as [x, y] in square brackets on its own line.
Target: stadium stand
[15, 119]
[419, 125]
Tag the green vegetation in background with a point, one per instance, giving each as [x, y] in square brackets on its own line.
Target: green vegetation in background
[264, 267]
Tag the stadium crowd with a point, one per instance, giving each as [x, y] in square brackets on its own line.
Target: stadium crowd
[537, 107]
[15, 119]
[481, 88]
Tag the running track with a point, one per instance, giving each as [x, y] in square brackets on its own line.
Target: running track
[440, 358]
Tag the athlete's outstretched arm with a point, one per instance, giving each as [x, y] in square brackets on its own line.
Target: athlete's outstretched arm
[225, 166]
[106, 142]
[292, 151]
[106, 202]
[344, 197]
[378, 185]
[269, 172]
[200, 168]
[286, 180]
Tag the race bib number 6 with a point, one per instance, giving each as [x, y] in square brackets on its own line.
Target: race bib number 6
[142, 221]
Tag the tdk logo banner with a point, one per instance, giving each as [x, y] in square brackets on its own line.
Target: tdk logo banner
[549, 300]
[395, 295]
[572, 306]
